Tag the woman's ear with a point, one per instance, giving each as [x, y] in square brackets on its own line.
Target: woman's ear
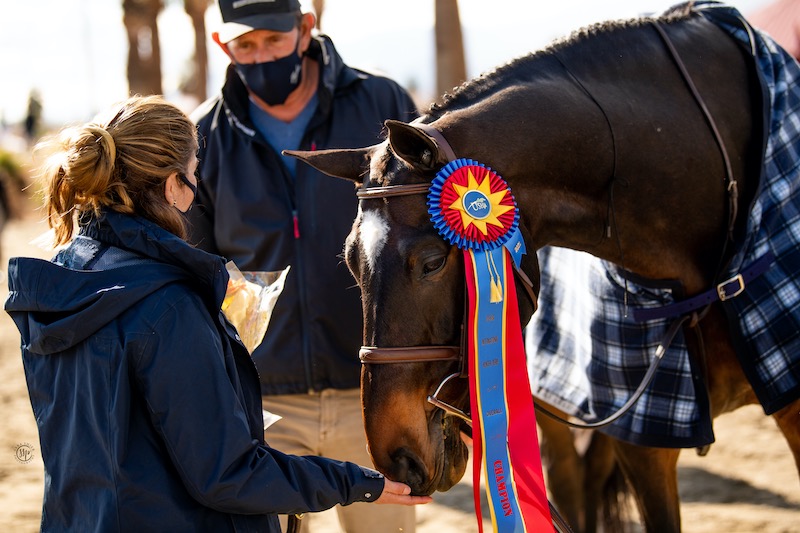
[171, 189]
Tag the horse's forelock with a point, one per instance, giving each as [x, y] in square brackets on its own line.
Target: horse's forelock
[379, 167]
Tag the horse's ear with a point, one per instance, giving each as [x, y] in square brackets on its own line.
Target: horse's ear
[351, 164]
[414, 146]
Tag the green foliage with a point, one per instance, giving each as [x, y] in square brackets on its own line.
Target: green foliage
[11, 169]
[14, 185]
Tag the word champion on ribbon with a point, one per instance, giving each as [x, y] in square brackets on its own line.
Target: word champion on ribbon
[473, 208]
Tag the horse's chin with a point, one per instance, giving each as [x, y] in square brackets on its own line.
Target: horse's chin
[454, 457]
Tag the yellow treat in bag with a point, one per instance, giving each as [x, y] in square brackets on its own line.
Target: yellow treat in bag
[249, 301]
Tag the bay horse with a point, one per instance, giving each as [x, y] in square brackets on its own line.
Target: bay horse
[641, 142]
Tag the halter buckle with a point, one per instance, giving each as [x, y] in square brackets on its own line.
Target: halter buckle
[723, 288]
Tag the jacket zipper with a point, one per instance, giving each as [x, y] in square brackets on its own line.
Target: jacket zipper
[307, 358]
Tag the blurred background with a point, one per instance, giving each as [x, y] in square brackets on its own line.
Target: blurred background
[63, 61]
[73, 58]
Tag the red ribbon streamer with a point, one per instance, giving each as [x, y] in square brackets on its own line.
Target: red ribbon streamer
[526, 478]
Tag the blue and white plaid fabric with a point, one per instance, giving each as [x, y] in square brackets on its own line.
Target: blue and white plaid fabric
[586, 354]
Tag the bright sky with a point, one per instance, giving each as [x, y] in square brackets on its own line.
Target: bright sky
[74, 52]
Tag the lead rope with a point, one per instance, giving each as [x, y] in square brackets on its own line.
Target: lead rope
[648, 377]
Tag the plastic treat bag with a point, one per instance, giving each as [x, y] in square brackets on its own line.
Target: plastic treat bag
[249, 302]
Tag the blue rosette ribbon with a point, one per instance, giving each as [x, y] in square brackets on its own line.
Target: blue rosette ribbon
[472, 207]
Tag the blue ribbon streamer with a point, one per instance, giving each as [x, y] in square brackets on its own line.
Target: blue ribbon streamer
[491, 382]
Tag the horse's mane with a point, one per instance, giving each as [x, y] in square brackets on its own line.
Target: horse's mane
[492, 80]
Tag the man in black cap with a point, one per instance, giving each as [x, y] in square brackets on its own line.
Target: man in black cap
[287, 88]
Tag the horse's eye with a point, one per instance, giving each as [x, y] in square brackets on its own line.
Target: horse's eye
[434, 265]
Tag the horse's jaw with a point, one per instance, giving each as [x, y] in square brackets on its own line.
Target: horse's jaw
[456, 455]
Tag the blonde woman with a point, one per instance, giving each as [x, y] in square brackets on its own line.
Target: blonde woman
[148, 406]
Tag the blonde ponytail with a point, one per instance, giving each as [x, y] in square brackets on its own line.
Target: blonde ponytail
[120, 164]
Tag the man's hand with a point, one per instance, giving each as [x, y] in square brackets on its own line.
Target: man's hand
[400, 494]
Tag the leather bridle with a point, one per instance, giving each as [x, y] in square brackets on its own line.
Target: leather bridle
[418, 354]
[428, 354]
[436, 354]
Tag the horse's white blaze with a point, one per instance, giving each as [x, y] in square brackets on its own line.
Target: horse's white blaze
[373, 230]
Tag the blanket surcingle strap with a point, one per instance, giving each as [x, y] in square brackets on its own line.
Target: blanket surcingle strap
[731, 288]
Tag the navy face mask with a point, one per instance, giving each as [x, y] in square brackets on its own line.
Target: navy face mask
[185, 180]
[191, 186]
[273, 81]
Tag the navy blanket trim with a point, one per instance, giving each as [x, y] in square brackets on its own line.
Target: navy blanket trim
[768, 313]
[726, 290]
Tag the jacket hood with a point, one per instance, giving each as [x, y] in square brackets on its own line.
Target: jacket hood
[56, 308]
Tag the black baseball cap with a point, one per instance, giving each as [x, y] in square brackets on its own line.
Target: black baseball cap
[242, 16]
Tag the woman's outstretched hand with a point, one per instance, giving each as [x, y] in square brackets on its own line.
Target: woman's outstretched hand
[400, 494]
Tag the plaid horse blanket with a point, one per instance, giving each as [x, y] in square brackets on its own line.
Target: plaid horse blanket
[586, 354]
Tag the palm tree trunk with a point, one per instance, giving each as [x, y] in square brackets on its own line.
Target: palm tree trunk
[319, 7]
[196, 84]
[451, 69]
[144, 49]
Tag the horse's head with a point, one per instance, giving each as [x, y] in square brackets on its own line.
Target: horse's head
[413, 287]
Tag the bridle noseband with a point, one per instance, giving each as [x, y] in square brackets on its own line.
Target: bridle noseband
[414, 354]
[422, 354]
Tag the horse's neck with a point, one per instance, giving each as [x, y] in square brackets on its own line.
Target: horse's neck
[622, 168]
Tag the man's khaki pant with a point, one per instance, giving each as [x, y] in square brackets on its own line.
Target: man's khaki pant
[329, 424]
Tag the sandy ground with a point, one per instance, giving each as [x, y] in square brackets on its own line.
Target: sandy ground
[747, 483]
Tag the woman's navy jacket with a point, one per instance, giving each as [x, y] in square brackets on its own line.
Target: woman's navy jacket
[148, 406]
